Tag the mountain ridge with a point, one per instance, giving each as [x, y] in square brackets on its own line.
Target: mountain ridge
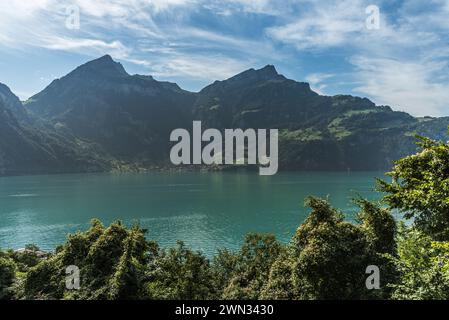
[128, 118]
[29, 146]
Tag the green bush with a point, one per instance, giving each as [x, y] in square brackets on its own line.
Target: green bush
[7, 276]
[180, 273]
[251, 267]
[328, 256]
[420, 188]
[423, 266]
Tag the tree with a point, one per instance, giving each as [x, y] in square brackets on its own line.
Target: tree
[252, 267]
[128, 280]
[112, 263]
[423, 266]
[27, 258]
[7, 276]
[420, 188]
[328, 256]
[45, 281]
[379, 226]
[279, 285]
[380, 230]
[224, 266]
[180, 273]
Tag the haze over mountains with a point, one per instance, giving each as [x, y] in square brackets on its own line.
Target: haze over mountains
[100, 118]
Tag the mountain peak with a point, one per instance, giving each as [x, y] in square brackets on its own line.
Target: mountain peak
[4, 89]
[268, 70]
[105, 66]
[266, 73]
[106, 57]
[9, 100]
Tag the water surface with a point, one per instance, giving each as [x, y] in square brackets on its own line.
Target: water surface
[205, 210]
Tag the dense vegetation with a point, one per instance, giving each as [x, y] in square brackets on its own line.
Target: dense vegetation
[326, 258]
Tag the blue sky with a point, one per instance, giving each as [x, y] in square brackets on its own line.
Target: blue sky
[403, 63]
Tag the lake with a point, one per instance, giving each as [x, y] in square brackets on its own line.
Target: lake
[206, 210]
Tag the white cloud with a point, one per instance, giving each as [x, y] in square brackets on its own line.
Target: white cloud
[161, 5]
[176, 49]
[195, 37]
[199, 67]
[317, 81]
[261, 7]
[403, 64]
[102, 8]
[87, 46]
[20, 8]
[396, 65]
[257, 6]
[323, 25]
[408, 86]
[127, 8]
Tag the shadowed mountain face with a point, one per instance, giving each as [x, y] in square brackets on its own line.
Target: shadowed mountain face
[129, 116]
[29, 146]
[12, 103]
[316, 132]
[15, 148]
[263, 98]
[98, 115]
[256, 98]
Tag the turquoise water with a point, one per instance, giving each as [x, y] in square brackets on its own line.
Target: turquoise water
[206, 210]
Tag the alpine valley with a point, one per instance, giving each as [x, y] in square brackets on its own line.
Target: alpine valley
[99, 118]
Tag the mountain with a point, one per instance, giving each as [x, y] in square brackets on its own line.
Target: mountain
[27, 147]
[264, 98]
[12, 103]
[98, 117]
[130, 116]
[316, 132]
[256, 98]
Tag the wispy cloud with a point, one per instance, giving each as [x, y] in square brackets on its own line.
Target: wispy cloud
[402, 64]
[325, 24]
[127, 30]
[200, 67]
[93, 46]
[317, 81]
[410, 86]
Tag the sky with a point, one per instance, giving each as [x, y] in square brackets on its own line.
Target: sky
[393, 52]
